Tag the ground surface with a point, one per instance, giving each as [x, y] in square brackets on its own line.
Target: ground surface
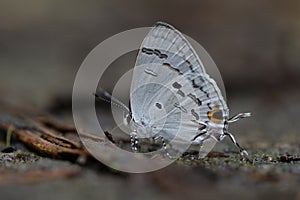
[271, 171]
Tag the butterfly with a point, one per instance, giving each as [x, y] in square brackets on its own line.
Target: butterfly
[173, 98]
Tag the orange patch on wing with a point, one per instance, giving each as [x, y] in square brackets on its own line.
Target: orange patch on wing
[215, 115]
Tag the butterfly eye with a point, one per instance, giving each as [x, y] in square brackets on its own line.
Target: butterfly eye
[216, 115]
[158, 105]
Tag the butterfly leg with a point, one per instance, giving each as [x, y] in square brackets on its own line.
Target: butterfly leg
[134, 142]
[242, 151]
[162, 141]
[170, 152]
[166, 149]
[238, 117]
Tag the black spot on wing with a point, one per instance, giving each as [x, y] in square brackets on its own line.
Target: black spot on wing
[200, 88]
[209, 106]
[195, 114]
[183, 109]
[154, 52]
[206, 93]
[195, 99]
[190, 65]
[147, 51]
[158, 105]
[172, 68]
[176, 85]
[181, 93]
[159, 54]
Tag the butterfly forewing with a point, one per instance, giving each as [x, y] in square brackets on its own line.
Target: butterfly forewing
[166, 45]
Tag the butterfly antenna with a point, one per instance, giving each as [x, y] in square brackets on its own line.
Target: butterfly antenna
[106, 97]
[238, 117]
[243, 151]
[110, 99]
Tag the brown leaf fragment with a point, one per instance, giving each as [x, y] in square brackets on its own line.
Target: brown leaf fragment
[43, 139]
[35, 141]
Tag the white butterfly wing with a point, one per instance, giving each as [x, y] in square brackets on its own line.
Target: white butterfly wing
[169, 74]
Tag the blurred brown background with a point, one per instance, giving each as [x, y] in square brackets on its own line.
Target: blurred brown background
[255, 45]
